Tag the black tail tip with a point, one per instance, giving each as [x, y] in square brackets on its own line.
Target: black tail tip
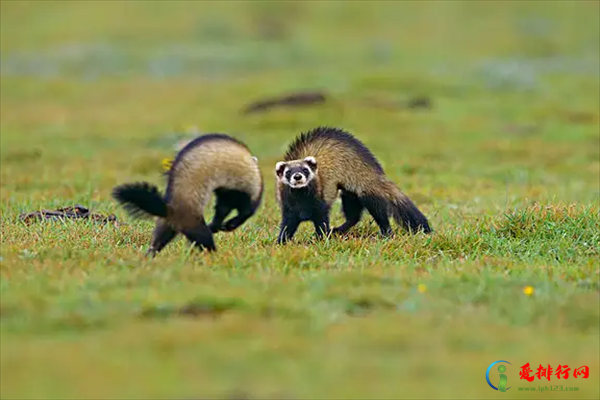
[423, 227]
[140, 199]
[412, 218]
[418, 223]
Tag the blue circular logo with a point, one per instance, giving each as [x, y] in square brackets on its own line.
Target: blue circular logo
[487, 374]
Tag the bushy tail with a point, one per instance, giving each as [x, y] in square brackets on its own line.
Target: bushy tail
[141, 199]
[404, 211]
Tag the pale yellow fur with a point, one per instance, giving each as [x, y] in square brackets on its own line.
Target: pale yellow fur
[213, 164]
[337, 163]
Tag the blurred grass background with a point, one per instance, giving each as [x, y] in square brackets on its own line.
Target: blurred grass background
[505, 162]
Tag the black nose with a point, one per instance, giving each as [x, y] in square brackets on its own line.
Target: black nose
[297, 177]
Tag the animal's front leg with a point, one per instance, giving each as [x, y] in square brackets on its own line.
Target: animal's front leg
[201, 236]
[321, 223]
[288, 228]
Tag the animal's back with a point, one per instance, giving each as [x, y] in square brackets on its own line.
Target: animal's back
[341, 159]
[207, 163]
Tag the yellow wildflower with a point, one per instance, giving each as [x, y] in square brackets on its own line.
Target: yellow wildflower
[422, 288]
[528, 290]
[167, 163]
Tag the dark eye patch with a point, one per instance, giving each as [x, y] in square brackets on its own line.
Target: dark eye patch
[288, 174]
[305, 171]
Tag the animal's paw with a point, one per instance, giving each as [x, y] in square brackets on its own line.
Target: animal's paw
[338, 231]
[215, 228]
[230, 225]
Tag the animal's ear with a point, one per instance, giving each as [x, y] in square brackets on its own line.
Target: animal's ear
[312, 162]
[279, 168]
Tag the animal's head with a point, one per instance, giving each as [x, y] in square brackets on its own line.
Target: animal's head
[296, 173]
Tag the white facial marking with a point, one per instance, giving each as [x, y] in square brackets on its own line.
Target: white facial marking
[296, 174]
[310, 160]
[279, 172]
[297, 180]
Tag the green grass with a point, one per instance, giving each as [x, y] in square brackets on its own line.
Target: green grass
[506, 165]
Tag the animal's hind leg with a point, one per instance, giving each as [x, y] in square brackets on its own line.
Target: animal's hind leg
[244, 213]
[162, 235]
[223, 206]
[201, 237]
[245, 209]
[352, 209]
[378, 208]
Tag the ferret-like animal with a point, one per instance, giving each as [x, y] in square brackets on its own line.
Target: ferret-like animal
[324, 161]
[210, 164]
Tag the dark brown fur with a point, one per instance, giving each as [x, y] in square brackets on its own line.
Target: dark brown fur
[338, 162]
[210, 164]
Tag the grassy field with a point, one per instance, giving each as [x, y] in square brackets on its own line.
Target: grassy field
[505, 163]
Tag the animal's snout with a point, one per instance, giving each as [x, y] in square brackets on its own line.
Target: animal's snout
[297, 177]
